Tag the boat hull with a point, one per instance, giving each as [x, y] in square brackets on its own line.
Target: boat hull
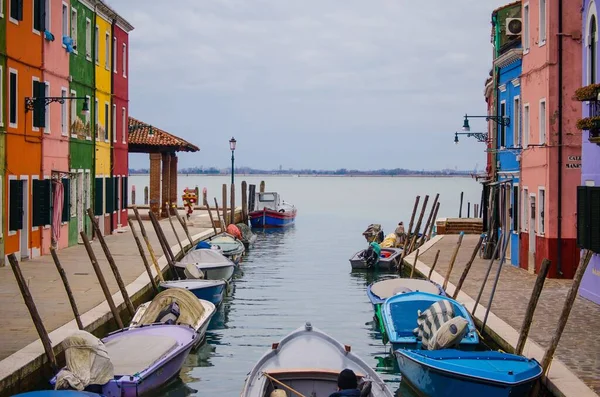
[432, 381]
[385, 263]
[211, 293]
[269, 218]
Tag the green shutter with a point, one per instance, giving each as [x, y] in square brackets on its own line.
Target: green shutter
[41, 193]
[66, 212]
[124, 194]
[110, 195]
[594, 218]
[15, 214]
[98, 197]
[582, 217]
[39, 104]
[515, 209]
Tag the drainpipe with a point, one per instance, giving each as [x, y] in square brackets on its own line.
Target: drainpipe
[113, 115]
[560, 135]
[93, 121]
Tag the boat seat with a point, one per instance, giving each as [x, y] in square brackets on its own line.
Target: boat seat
[278, 393]
[131, 354]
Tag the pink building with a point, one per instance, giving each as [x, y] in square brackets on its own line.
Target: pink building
[55, 136]
[551, 156]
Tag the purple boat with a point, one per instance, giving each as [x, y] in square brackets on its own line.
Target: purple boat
[144, 358]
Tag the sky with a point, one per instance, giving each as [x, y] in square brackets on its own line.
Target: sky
[321, 84]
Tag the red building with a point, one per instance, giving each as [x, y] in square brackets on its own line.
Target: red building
[120, 112]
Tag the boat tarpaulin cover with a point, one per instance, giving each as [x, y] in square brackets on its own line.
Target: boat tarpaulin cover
[432, 319]
[87, 362]
[191, 309]
[135, 353]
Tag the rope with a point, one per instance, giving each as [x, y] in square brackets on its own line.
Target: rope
[283, 384]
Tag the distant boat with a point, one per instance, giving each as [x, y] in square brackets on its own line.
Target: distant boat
[230, 246]
[456, 373]
[388, 260]
[309, 362]
[270, 211]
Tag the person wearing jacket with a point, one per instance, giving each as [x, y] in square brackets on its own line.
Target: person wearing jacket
[347, 385]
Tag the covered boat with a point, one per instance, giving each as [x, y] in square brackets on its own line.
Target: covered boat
[213, 265]
[177, 306]
[411, 320]
[388, 259]
[209, 290]
[231, 247]
[309, 361]
[271, 211]
[458, 373]
[128, 362]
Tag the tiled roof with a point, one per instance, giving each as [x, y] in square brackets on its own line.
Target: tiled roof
[144, 134]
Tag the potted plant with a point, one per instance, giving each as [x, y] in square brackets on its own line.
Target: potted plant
[591, 124]
[587, 93]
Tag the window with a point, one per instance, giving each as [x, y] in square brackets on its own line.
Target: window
[65, 20]
[13, 104]
[124, 60]
[526, 27]
[517, 123]
[114, 123]
[502, 137]
[525, 209]
[74, 28]
[63, 113]
[87, 116]
[1, 98]
[592, 51]
[107, 51]
[74, 186]
[114, 60]
[35, 93]
[73, 104]
[541, 208]
[37, 16]
[47, 16]
[16, 11]
[525, 125]
[515, 209]
[96, 44]
[124, 124]
[96, 118]
[542, 39]
[106, 123]
[1, 16]
[47, 113]
[542, 121]
[88, 39]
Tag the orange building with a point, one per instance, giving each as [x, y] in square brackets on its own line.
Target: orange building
[23, 190]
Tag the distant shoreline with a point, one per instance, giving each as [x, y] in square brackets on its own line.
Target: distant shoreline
[322, 176]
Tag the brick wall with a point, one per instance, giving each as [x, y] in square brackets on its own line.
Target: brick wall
[166, 174]
[155, 159]
[173, 180]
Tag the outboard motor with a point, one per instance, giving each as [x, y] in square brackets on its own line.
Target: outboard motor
[371, 257]
[169, 315]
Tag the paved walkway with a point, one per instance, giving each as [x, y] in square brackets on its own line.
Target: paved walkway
[48, 291]
[579, 347]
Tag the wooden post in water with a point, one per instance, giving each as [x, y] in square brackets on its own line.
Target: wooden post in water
[143, 255]
[212, 221]
[148, 245]
[262, 186]
[461, 202]
[65, 281]
[412, 269]
[133, 194]
[429, 219]
[224, 207]
[111, 262]
[184, 225]
[145, 195]
[467, 267]
[437, 255]
[418, 226]
[232, 206]
[164, 243]
[173, 227]
[452, 260]
[101, 280]
[35, 316]
[221, 222]
[244, 203]
[437, 207]
[487, 274]
[251, 197]
[586, 256]
[204, 196]
[468, 209]
[535, 296]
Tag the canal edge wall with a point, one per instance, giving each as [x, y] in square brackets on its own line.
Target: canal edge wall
[24, 369]
[560, 381]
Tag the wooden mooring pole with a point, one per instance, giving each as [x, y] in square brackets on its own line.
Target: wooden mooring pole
[452, 260]
[437, 255]
[232, 205]
[143, 255]
[173, 227]
[461, 203]
[164, 243]
[35, 316]
[487, 274]
[412, 269]
[468, 267]
[418, 226]
[437, 207]
[244, 202]
[184, 225]
[65, 281]
[101, 280]
[221, 222]
[148, 245]
[535, 296]
[111, 263]
[262, 187]
[500, 264]
[251, 197]
[212, 221]
[429, 219]
[468, 209]
[224, 205]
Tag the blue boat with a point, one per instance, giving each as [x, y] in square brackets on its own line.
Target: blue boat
[451, 372]
[400, 313]
[58, 393]
[208, 290]
[270, 211]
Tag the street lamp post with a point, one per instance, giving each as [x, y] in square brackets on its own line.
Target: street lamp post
[232, 143]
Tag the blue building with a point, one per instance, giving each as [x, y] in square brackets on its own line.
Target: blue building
[508, 144]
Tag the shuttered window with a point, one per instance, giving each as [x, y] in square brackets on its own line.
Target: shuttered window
[515, 209]
[110, 195]
[124, 196]
[66, 199]
[39, 106]
[15, 203]
[42, 199]
[16, 9]
[99, 197]
[588, 218]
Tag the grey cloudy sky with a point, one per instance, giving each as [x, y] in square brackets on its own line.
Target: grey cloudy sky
[320, 84]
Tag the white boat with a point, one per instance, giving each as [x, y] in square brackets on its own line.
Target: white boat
[308, 361]
[213, 265]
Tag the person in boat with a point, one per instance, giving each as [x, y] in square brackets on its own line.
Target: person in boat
[347, 385]
[401, 234]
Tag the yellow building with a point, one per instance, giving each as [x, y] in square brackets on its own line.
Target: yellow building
[103, 117]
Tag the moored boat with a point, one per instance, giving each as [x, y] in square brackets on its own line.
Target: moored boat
[208, 290]
[231, 247]
[58, 393]
[451, 373]
[388, 259]
[271, 211]
[407, 320]
[213, 265]
[309, 362]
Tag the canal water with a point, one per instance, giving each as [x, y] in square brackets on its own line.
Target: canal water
[303, 274]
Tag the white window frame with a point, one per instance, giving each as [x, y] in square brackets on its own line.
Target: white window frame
[591, 14]
[33, 79]
[47, 128]
[1, 92]
[96, 123]
[64, 115]
[10, 178]
[65, 7]
[97, 45]
[517, 121]
[107, 50]
[72, 112]
[88, 137]
[10, 18]
[525, 213]
[526, 125]
[526, 28]
[124, 60]
[543, 25]
[48, 17]
[88, 39]
[73, 195]
[1, 16]
[114, 60]
[114, 122]
[16, 73]
[543, 120]
[106, 122]
[73, 30]
[541, 207]
[124, 124]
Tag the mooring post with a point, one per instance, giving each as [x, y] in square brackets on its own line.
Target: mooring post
[164, 243]
[35, 316]
[224, 205]
[468, 209]
[63, 276]
[502, 260]
[468, 267]
[143, 255]
[145, 195]
[437, 207]
[232, 216]
[133, 194]
[437, 255]
[251, 197]
[461, 202]
[148, 245]
[412, 270]
[184, 226]
[452, 260]
[487, 274]
[429, 219]
[173, 227]
[262, 187]
[244, 202]
[111, 262]
[221, 222]
[212, 221]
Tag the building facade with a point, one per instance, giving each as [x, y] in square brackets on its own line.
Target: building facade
[3, 118]
[590, 159]
[550, 166]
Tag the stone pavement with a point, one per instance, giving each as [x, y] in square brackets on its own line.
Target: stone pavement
[579, 347]
[48, 291]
